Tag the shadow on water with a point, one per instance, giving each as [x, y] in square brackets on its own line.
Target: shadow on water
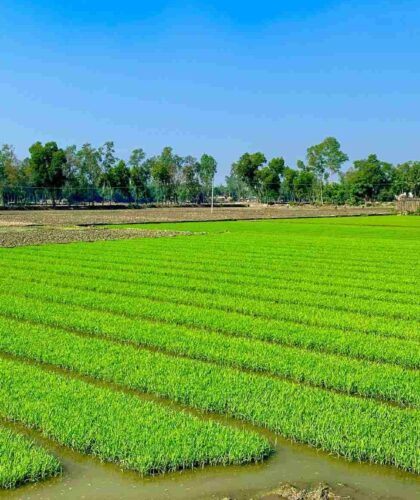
[87, 478]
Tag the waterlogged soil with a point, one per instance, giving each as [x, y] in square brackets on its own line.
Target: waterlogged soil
[294, 472]
[16, 237]
[68, 217]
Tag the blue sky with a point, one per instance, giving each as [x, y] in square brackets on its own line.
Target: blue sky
[217, 77]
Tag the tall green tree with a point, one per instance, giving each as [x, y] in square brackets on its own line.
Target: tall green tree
[119, 178]
[9, 165]
[189, 188]
[108, 158]
[407, 178]
[270, 179]
[247, 169]
[303, 185]
[47, 163]
[236, 188]
[10, 172]
[287, 188]
[140, 173]
[164, 170]
[325, 159]
[368, 178]
[88, 160]
[207, 170]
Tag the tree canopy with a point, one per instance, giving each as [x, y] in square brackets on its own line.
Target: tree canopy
[96, 174]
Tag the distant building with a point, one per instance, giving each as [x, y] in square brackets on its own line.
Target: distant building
[404, 196]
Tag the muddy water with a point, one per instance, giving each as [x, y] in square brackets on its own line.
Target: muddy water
[87, 478]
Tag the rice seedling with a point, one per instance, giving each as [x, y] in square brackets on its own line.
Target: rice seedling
[116, 427]
[21, 461]
[383, 434]
[309, 328]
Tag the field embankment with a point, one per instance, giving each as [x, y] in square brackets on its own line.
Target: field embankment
[176, 214]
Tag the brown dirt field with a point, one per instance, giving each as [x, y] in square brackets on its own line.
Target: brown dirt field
[16, 218]
[17, 237]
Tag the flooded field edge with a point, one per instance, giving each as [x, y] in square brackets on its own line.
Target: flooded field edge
[292, 463]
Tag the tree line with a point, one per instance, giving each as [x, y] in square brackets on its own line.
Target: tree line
[89, 174]
[93, 175]
[320, 178]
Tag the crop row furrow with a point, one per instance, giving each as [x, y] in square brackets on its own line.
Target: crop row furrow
[403, 296]
[330, 254]
[115, 427]
[131, 298]
[119, 428]
[268, 269]
[95, 320]
[289, 294]
[338, 373]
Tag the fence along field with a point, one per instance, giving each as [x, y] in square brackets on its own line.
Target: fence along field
[309, 328]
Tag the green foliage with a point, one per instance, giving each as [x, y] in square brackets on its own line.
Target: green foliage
[369, 178]
[139, 173]
[107, 157]
[119, 177]
[307, 327]
[269, 177]
[407, 178]
[88, 163]
[23, 462]
[8, 166]
[325, 159]
[261, 178]
[97, 174]
[115, 427]
[47, 166]
[164, 169]
[207, 168]
[247, 168]
[383, 433]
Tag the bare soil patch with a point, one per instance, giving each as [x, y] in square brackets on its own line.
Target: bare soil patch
[289, 492]
[286, 491]
[13, 237]
[13, 218]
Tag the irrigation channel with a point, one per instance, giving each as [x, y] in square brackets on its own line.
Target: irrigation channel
[300, 465]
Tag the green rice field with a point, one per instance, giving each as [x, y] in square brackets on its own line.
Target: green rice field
[23, 462]
[123, 350]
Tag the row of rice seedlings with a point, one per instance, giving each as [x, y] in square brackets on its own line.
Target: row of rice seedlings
[290, 273]
[312, 247]
[384, 382]
[328, 298]
[109, 424]
[269, 270]
[79, 311]
[21, 461]
[277, 250]
[383, 222]
[295, 313]
[260, 257]
[187, 262]
[333, 296]
[115, 427]
[136, 301]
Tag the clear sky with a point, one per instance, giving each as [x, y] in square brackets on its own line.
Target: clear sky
[222, 77]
